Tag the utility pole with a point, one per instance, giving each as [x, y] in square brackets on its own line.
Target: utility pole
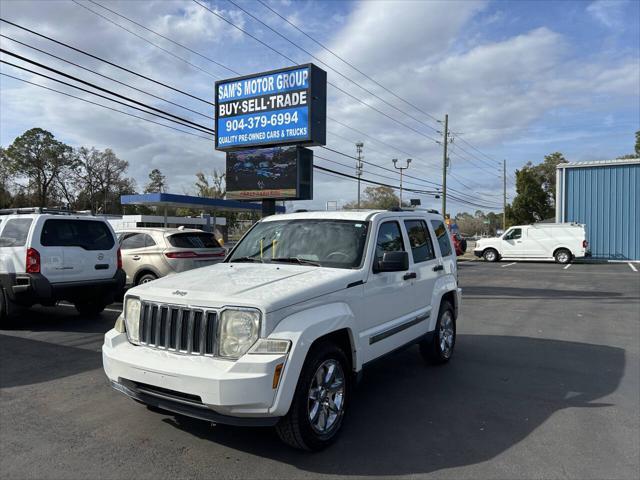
[445, 161]
[504, 195]
[359, 166]
[395, 161]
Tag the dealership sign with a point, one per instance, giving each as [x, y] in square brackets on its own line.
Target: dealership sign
[283, 173]
[280, 107]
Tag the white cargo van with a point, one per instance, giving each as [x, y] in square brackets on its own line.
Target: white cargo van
[561, 242]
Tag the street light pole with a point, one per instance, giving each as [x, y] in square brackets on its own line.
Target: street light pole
[359, 166]
[395, 161]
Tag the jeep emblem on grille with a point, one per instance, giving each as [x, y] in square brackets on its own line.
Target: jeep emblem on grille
[179, 292]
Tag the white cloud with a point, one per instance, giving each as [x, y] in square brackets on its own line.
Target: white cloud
[609, 12]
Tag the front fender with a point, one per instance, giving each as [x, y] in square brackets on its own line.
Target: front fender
[303, 328]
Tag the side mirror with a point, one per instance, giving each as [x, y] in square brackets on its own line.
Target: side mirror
[393, 262]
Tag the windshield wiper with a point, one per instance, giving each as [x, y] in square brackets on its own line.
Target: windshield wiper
[300, 261]
[246, 259]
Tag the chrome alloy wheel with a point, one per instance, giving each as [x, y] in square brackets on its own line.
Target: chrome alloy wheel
[562, 257]
[446, 333]
[326, 396]
[490, 255]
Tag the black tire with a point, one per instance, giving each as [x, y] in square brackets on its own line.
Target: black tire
[491, 255]
[295, 428]
[432, 350]
[146, 278]
[90, 309]
[8, 309]
[463, 245]
[562, 256]
[4, 313]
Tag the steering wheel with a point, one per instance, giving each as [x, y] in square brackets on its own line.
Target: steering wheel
[338, 254]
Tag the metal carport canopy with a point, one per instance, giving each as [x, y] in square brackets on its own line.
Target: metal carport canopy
[188, 201]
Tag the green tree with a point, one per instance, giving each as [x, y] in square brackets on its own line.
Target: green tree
[5, 180]
[531, 203]
[637, 148]
[547, 171]
[382, 198]
[214, 188]
[157, 182]
[39, 157]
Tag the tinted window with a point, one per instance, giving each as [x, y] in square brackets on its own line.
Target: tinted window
[389, 239]
[15, 232]
[194, 240]
[134, 240]
[443, 237]
[87, 234]
[419, 240]
[329, 243]
[513, 234]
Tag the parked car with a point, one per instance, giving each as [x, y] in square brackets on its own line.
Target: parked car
[151, 253]
[561, 242]
[277, 333]
[48, 255]
[459, 244]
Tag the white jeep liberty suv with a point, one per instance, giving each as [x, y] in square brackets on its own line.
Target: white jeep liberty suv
[277, 333]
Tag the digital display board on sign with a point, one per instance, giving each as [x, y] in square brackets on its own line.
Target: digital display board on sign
[281, 173]
[280, 107]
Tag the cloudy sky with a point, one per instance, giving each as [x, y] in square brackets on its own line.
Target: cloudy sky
[518, 79]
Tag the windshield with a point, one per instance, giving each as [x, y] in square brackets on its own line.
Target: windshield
[326, 243]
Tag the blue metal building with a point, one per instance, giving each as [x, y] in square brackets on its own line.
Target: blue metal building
[605, 196]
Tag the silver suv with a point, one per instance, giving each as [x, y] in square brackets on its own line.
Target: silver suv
[151, 253]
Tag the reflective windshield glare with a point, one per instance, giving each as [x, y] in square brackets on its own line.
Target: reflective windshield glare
[326, 243]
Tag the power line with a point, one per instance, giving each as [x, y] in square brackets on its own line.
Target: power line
[329, 66]
[105, 106]
[329, 83]
[166, 38]
[148, 41]
[341, 174]
[99, 95]
[97, 87]
[348, 63]
[107, 62]
[106, 76]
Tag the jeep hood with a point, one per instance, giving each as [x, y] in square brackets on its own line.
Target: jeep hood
[270, 286]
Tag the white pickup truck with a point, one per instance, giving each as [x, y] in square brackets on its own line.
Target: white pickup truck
[277, 333]
[561, 242]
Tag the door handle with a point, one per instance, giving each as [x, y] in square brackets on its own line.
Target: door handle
[136, 257]
[437, 268]
[409, 276]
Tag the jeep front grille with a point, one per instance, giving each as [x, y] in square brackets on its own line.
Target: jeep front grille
[178, 328]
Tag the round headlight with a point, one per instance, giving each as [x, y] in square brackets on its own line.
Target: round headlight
[132, 319]
[239, 329]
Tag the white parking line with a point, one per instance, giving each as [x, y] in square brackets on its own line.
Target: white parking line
[509, 264]
[567, 266]
[632, 266]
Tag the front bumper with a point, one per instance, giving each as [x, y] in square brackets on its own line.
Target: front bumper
[477, 253]
[198, 386]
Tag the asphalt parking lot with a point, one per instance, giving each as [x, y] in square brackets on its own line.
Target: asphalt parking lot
[544, 384]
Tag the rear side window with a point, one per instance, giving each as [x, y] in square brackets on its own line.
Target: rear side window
[442, 236]
[137, 240]
[420, 240]
[389, 239]
[15, 232]
[87, 234]
[193, 240]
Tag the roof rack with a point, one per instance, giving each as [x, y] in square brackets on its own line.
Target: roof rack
[398, 209]
[51, 211]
